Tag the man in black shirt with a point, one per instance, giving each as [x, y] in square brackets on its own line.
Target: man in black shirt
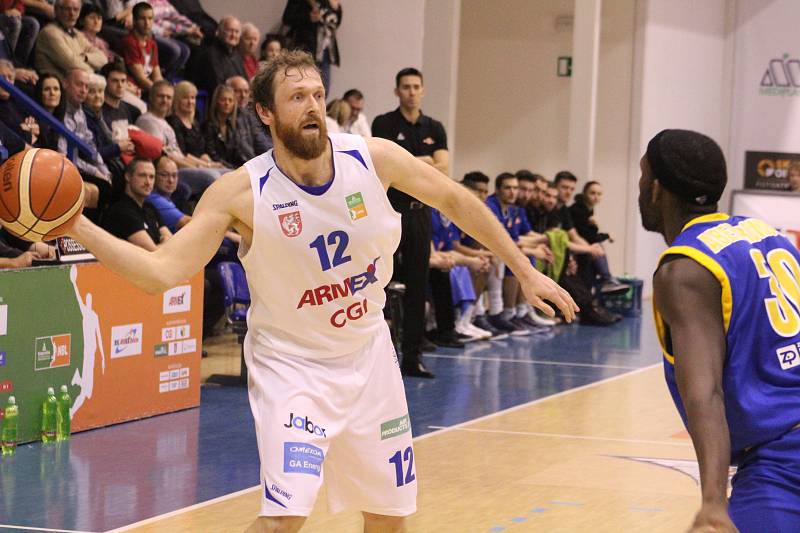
[132, 218]
[220, 60]
[426, 139]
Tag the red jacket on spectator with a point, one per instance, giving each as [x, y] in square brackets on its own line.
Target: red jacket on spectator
[5, 5]
[136, 53]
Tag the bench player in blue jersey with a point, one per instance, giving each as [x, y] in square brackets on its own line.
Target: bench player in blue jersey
[318, 236]
[727, 310]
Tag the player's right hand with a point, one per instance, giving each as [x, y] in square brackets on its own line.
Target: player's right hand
[713, 519]
[537, 288]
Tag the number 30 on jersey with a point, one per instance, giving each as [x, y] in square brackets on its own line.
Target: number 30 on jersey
[782, 272]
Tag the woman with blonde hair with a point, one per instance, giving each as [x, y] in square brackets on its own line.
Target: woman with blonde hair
[219, 129]
[187, 129]
[338, 115]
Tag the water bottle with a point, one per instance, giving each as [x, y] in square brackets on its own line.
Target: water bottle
[49, 416]
[63, 420]
[10, 422]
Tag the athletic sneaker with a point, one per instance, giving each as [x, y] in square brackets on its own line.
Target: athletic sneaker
[521, 323]
[539, 320]
[475, 330]
[482, 322]
[531, 324]
[613, 286]
[507, 326]
[467, 335]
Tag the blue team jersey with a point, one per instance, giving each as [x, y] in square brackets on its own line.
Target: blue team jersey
[759, 272]
[444, 231]
[514, 219]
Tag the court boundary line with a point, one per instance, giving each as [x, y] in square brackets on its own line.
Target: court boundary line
[48, 530]
[446, 429]
[530, 361]
[566, 436]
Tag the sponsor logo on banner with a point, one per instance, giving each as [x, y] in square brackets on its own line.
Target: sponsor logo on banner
[768, 170]
[291, 223]
[6, 386]
[163, 376]
[395, 427]
[305, 424]
[781, 77]
[789, 356]
[52, 352]
[163, 387]
[3, 319]
[126, 340]
[355, 206]
[302, 458]
[160, 350]
[185, 372]
[178, 299]
[2, 358]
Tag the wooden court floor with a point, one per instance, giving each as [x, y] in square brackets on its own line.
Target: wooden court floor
[608, 457]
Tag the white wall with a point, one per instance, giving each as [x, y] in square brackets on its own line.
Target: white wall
[512, 109]
[682, 76]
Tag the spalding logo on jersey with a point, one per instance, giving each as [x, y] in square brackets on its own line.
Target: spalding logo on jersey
[291, 223]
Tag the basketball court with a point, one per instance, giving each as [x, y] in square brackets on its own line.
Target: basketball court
[574, 432]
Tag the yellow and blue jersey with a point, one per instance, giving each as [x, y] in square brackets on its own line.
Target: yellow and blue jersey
[759, 272]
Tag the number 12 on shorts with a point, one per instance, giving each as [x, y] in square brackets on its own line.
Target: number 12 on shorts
[397, 460]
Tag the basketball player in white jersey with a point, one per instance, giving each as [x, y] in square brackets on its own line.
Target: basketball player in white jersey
[318, 234]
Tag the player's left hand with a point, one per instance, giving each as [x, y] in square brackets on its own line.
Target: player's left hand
[713, 519]
[538, 288]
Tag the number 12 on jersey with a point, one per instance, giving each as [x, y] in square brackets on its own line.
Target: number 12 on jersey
[340, 239]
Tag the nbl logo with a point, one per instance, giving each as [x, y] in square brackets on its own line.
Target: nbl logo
[789, 356]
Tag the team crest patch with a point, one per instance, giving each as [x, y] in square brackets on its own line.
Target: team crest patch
[355, 206]
[291, 223]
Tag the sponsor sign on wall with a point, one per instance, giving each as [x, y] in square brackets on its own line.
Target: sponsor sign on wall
[768, 170]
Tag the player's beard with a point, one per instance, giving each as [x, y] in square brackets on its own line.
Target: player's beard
[300, 145]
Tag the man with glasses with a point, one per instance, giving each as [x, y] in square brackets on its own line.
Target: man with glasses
[61, 48]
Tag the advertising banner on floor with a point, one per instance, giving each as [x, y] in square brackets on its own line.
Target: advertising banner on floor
[123, 354]
[778, 209]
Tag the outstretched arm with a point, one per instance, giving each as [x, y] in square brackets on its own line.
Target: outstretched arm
[688, 297]
[397, 168]
[182, 255]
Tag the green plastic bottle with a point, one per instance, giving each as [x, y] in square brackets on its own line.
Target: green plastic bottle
[49, 416]
[63, 420]
[10, 422]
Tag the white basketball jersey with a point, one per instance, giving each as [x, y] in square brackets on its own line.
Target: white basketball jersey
[320, 256]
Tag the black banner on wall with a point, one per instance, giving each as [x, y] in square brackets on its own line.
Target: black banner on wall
[768, 170]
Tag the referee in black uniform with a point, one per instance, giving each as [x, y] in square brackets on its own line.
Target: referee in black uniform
[425, 138]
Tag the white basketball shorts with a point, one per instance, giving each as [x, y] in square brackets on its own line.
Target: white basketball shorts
[343, 420]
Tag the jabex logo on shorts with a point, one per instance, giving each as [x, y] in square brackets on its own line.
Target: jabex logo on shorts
[304, 423]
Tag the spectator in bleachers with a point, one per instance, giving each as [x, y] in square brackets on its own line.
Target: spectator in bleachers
[169, 23]
[132, 218]
[248, 44]
[61, 48]
[194, 11]
[271, 46]
[90, 22]
[223, 54]
[794, 177]
[198, 174]
[119, 14]
[188, 132]
[312, 27]
[19, 131]
[357, 123]
[97, 173]
[139, 49]
[166, 198]
[220, 131]
[253, 137]
[338, 115]
[117, 113]
[20, 30]
[49, 94]
[110, 150]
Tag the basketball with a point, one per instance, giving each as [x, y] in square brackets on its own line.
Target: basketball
[41, 194]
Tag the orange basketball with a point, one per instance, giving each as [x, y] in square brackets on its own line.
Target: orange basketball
[41, 194]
